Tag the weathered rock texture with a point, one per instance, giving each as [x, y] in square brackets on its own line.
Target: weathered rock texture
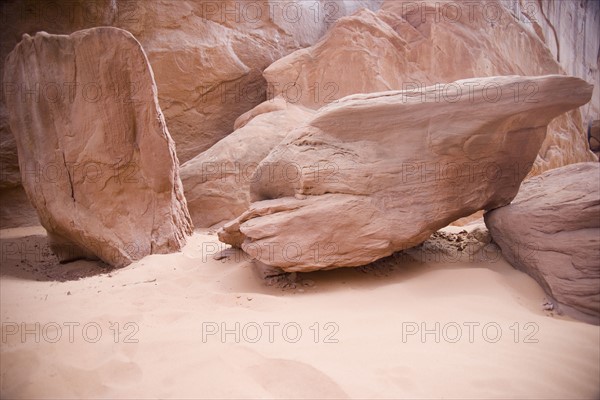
[551, 231]
[97, 160]
[410, 44]
[399, 47]
[207, 56]
[570, 30]
[217, 182]
[376, 173]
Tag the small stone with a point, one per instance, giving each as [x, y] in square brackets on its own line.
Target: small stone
[548, 306]
[481, 234]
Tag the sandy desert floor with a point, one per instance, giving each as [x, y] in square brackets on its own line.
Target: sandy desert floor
[188, 325]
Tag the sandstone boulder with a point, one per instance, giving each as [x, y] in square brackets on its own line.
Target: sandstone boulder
[551, 231]
[376, 173]
[96, 158]
[217, 181]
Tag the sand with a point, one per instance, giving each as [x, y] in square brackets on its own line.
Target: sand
[153, 329]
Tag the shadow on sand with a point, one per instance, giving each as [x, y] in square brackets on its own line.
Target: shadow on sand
[29, 258]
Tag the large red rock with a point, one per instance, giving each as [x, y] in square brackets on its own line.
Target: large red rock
[377, 173]
[551, 231]
[97, 160]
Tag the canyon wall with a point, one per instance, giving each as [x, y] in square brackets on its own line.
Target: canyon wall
[570, 30]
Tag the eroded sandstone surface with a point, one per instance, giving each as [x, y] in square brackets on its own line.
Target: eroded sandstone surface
[377, 173]
[99, 164]
[405, 45]
[551, 231]
[217, 182]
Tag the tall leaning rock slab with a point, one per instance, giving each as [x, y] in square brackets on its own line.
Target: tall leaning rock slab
[96, 158]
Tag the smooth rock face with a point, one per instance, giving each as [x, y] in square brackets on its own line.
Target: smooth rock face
[409, 44]
[551, 231]
[97, 160]
[207, 56]
[217, 182]
[377, 173]
[570, 30]
[359, 54]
